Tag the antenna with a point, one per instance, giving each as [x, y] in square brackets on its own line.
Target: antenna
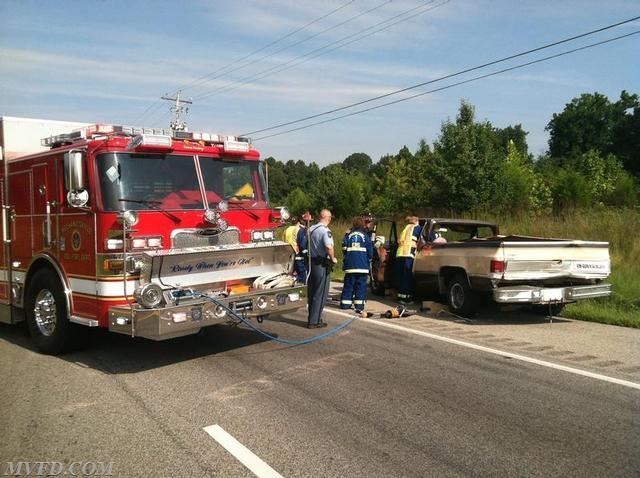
[177, 110]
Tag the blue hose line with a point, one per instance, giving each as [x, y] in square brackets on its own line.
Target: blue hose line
[309, 340]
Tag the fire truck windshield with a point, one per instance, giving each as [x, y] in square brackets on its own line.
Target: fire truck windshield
[233, 180]
[170, 182]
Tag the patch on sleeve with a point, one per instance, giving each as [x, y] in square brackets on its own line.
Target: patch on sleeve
[329, 234]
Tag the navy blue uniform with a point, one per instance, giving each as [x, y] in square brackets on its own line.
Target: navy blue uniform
[300, 264]
[404, 260]
[358, 252]
[320, 238]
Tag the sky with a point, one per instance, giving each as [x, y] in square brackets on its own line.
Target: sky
[241, 64]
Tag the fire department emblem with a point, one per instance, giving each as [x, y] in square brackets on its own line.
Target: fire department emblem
[76, 241]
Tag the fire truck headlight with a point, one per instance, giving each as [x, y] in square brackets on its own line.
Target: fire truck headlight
[129, 217]
[268, 235]
[148, 296]
[262, 302]
[114, 244]
[211, 216]
[256, 235]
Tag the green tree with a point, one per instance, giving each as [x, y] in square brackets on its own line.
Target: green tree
[592, 122]
[299, 201]
[467, 164]
[360, 162]
[523, 190]
[343, 193]
[278, 182]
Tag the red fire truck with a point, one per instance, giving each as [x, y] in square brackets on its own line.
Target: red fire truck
[124, 228]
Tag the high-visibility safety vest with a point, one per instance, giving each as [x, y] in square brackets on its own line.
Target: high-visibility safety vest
[290, 236]
[358, 252]
[408, 241]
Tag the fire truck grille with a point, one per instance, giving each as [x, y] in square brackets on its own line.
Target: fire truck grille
[203, 238]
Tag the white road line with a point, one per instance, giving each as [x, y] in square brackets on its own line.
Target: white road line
[241, 452]
[502, 353]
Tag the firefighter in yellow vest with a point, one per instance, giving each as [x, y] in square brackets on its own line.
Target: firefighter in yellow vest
[291, 234]
[407, 246]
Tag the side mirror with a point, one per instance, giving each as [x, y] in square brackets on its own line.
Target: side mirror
[74, 171]
[75, 179]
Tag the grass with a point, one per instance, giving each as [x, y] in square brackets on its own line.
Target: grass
[621, 228]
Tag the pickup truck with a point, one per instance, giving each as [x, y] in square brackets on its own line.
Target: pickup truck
[462, 261]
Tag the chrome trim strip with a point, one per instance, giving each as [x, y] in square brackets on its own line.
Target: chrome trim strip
[83, 321]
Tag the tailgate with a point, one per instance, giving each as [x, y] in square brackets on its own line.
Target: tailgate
[544, 259]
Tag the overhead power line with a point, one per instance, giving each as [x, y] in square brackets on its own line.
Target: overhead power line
[494, 73]
[210, 76]
[249, 55]
[327, 48]
[445, 77]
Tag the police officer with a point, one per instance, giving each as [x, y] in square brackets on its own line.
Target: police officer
[357, 257]
[322, 259]
[300, 263]
[404, 258]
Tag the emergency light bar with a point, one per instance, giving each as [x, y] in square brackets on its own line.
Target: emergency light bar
[150, 142]
[155, 137]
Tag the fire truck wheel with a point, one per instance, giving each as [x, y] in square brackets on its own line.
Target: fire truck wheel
[46, 313]
[460, 298]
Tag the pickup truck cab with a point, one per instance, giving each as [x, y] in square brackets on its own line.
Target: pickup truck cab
[461, 261]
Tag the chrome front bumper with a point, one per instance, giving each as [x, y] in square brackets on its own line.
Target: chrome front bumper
[189, 315]
[546, 295]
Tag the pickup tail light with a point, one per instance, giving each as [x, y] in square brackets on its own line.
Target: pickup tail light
[498, 267]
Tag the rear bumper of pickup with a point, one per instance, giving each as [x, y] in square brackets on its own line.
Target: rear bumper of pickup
[190, 315]
[545, 295]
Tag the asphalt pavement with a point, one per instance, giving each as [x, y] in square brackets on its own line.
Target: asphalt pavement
[369, 401]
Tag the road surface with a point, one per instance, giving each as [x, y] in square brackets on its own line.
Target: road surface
[371, 401]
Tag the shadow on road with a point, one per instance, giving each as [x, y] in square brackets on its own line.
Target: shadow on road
[119, 354]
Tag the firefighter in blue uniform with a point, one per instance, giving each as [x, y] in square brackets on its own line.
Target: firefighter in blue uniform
[358, 252]
[300, 264]
[405, 255]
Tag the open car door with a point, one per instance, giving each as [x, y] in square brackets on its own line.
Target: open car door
[385, 246]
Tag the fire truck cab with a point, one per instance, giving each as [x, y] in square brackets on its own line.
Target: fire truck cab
[126, 228]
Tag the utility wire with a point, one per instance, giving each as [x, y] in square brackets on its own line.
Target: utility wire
[248, 79]
[522, 65]
[410, 13]
[211, 76]
[304, 40]
[206, 78]
[458, 73]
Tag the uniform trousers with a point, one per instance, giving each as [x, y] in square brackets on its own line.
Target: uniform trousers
[300, 268]
[404, 276]
[354, 291]
[318, 290]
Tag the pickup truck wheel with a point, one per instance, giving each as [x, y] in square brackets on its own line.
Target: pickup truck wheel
[46, 313]
[460, 298]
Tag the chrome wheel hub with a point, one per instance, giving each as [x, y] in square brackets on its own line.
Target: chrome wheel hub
[457, 296]
[44, 312]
